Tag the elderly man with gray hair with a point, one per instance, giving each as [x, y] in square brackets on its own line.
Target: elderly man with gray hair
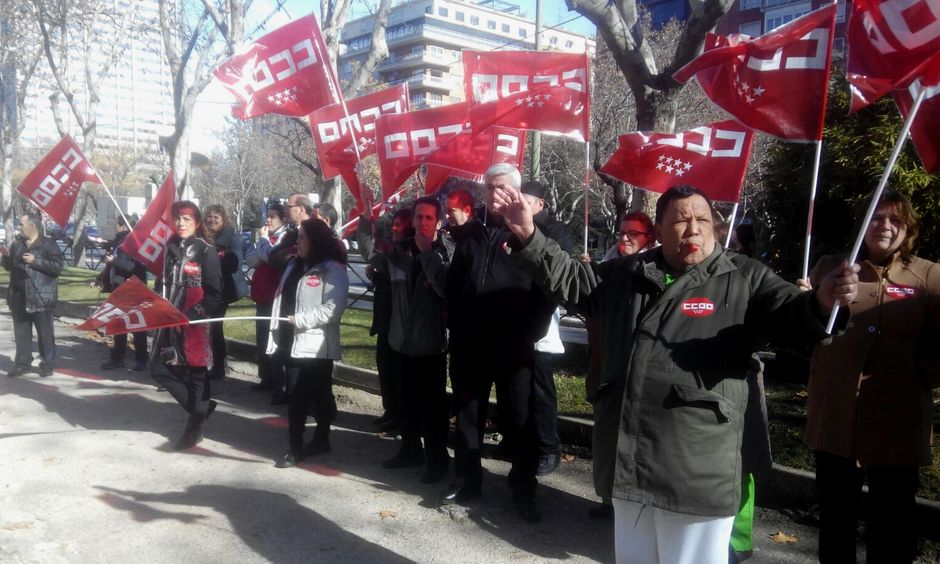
[496, 313]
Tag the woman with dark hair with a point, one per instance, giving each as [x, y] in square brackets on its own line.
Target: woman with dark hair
[870, 412]
[182, 356]
[228, 245]
[312, 295]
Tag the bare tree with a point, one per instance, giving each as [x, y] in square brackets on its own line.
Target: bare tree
[654, 91]
[20, 53]
[100, 28]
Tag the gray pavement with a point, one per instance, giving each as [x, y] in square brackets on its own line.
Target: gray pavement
[87, 476]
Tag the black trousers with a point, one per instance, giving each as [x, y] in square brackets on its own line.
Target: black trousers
[189, 386]
[473, 373]
[140, 347]
[219, 350]
[426, 411]
[389, 363]
[269, 370]
[891, 534]
[23, 323]
[310, 383]
[545, 404]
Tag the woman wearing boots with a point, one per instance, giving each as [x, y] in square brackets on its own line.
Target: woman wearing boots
[182, 357]
[312, 295]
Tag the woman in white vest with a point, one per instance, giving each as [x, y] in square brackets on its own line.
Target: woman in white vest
[312, 296]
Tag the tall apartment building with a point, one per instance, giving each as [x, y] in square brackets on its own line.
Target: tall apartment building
[757, 17]
[136, 102]
[425, 39]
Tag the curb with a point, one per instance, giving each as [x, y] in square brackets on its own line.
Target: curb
[785, 486]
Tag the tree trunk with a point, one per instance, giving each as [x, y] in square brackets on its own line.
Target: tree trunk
[6, 194]
[79, 241]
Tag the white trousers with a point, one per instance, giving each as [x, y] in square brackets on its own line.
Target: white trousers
[647, 535]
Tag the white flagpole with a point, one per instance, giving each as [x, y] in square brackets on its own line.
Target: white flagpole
[587, 200]
[734, 216]
[812, 205]
[239, 318]
[898, 145]
[113, 199]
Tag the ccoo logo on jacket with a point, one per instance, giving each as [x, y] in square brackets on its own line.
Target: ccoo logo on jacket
[313, 281]
[900, 292]
[697, 307]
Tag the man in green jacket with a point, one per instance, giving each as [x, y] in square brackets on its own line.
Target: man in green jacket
[678, 323]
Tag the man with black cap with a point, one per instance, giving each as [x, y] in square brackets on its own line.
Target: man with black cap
[495, 315]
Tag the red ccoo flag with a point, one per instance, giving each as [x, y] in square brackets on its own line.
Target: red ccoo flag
[470, 156]
[712, 158]
[925, 129]
[147, 241]
[888, 42]
[133, 307]
[776, 83]
[54, 183]
[285, 72]
[331, 128]
[539, 90]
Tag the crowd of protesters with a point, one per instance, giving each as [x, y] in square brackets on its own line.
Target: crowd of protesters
[672, 330]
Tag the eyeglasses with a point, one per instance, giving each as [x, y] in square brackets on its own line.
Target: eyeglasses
[632, 234]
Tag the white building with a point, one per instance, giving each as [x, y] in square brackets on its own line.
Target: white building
[425, 39]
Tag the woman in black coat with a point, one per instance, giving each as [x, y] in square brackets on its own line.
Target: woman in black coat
[228, 245]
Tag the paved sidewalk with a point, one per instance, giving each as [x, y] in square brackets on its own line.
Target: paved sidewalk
[87, 476]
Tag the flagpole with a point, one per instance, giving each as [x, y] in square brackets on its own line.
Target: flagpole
[734, 215]
[587, 203]
[239, 318]
[113, 199]
[876, 197]
[812, 206]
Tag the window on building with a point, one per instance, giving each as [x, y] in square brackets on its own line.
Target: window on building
[505, 28]
[442, 12]
[569, 44]
[522, 32]
[428, 10]
[750, 4]
[474, 20]
[840, 12]
[838, 47]
[459, 16]
[750, 28]
[779, 16]
[553, 41]
[490, 24]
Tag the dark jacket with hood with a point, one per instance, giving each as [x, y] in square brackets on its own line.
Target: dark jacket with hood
[37, 283]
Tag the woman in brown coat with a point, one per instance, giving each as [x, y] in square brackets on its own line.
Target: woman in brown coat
[870, 412]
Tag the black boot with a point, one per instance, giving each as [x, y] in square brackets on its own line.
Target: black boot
[293, 457]
[320, 443]
[192, 435]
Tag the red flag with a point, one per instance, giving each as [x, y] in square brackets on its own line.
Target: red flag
[776, 83]
[133, 306]
[331, 127]
[925, 129]
[285, 72]
[887, 41]
[469, 156]
[377, 210]
[541, 90]
[712, 158]
[53, 184]
[147, 241]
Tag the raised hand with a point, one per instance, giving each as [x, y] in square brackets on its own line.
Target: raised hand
[515, 210]
[839, 286]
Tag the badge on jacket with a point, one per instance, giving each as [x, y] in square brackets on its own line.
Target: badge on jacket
[900, 292]
[313, 281]
[697, 307]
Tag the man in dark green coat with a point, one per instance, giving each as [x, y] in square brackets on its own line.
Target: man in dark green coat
[678, 324]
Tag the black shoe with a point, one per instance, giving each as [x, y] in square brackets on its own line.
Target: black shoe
[459, 492]
[112, 364]
[280, 398]
[601, 511]
[289, 460]
[18, 371]
[317, 447]
[528, 510]
[192, 435]
[403, 461]
[45, 371]
[434, 475]
[140, 366]
[261, 387]
[548, 463]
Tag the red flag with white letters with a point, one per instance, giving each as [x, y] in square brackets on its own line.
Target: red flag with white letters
[776, 83]
[925, 129]
[377, 210]
[147, 240]
[540, 90]
[285, 72]
[54, 183]
[469, 156]
[132, 307]
[713, 158]
[888, 42]
[332, 129]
